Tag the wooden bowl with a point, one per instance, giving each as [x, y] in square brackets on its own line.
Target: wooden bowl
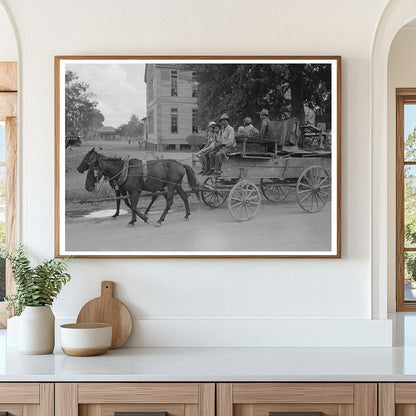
[84, 340]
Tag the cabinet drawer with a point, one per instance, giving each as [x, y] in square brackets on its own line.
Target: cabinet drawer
[21, 399]
[397, 399]
[144, 399]
[297, 399]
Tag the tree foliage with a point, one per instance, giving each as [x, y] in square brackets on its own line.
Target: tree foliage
[410, 204]
[410, 191]
[134, 128]
[81, 113]
[242, 90]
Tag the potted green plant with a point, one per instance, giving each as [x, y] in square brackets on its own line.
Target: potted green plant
[36, 289]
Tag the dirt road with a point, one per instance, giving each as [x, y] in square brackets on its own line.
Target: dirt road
[276, 227]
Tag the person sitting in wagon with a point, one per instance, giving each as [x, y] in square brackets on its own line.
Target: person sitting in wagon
[203, 154]
[249, 129]
[265, 129]
[228, 143]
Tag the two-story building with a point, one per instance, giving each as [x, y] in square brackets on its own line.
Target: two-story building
[171, 102]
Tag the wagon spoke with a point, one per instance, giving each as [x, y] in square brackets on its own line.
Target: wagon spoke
[250, 208]
[244, 201]
[306, 196]
[210, 194]
[307, 179]
[274, 192]
[253, 198]
[319, 196]
[324, 179]
[236, 205]
[239, 195]
[305, 185]
[313, 198]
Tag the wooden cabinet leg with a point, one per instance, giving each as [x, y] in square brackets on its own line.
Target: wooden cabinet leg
[386, 399]
[365, 399]
[66, 399]
[207, 399]
[224, 399]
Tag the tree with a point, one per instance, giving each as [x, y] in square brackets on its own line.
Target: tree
[244, 89]
[410, 191]
[134, 128]
[410, 203]
[81, 113]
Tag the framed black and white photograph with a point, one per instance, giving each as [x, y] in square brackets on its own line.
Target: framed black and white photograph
[198, 156]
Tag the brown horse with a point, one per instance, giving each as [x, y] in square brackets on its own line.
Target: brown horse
[94, 175]
[161, 175]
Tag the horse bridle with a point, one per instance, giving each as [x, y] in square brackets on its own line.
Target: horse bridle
[94, 164]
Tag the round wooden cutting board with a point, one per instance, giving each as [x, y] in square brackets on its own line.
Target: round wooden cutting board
[107, 309]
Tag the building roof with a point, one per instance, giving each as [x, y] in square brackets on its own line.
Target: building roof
[106, 129]
[184, 67]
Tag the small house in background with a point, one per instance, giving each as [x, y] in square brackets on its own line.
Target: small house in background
[171, 104]
[105, 133]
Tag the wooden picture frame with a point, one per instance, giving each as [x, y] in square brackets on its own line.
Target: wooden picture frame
[277, 192]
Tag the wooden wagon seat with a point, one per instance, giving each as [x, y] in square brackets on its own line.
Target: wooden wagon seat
[283, 133]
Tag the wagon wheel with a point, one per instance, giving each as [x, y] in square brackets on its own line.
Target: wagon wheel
[244, 201]
[274, 192]
[211, 196]
[313, 188]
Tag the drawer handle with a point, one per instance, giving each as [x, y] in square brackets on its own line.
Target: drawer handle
[295, 414]
[139, 414]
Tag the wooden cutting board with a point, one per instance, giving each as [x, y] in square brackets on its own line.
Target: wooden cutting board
[107, 309]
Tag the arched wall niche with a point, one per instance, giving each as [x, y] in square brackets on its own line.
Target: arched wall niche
[396, 15]
[9, 50]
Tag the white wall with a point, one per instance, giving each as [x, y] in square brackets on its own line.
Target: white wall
[197, 302]
[401, 74]
[8, 47]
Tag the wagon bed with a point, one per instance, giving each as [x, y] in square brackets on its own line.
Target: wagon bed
[276, 173]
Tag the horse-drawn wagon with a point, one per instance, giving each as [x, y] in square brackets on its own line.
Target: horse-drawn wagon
[270, 168]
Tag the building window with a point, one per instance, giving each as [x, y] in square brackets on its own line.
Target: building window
[406, 199]
[151, 122]
[174, 83]
[195, 121]
[194, 85]
[174, 120]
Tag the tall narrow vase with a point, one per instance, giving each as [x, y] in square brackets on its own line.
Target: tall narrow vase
[37, 330]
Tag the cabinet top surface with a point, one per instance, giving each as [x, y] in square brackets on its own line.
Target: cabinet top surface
[214, 364]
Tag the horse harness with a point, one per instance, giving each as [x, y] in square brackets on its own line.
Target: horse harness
[120, 178]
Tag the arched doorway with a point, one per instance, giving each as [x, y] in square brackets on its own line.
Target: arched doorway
[396, 15]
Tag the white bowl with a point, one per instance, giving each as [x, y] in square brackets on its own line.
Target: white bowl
[83, 340]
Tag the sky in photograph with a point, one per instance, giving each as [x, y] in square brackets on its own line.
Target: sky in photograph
[119, 89]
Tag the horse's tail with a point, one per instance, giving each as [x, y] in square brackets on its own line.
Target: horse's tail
[192, 180]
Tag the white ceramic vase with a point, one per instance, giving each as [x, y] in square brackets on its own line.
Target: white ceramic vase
[37, 330]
